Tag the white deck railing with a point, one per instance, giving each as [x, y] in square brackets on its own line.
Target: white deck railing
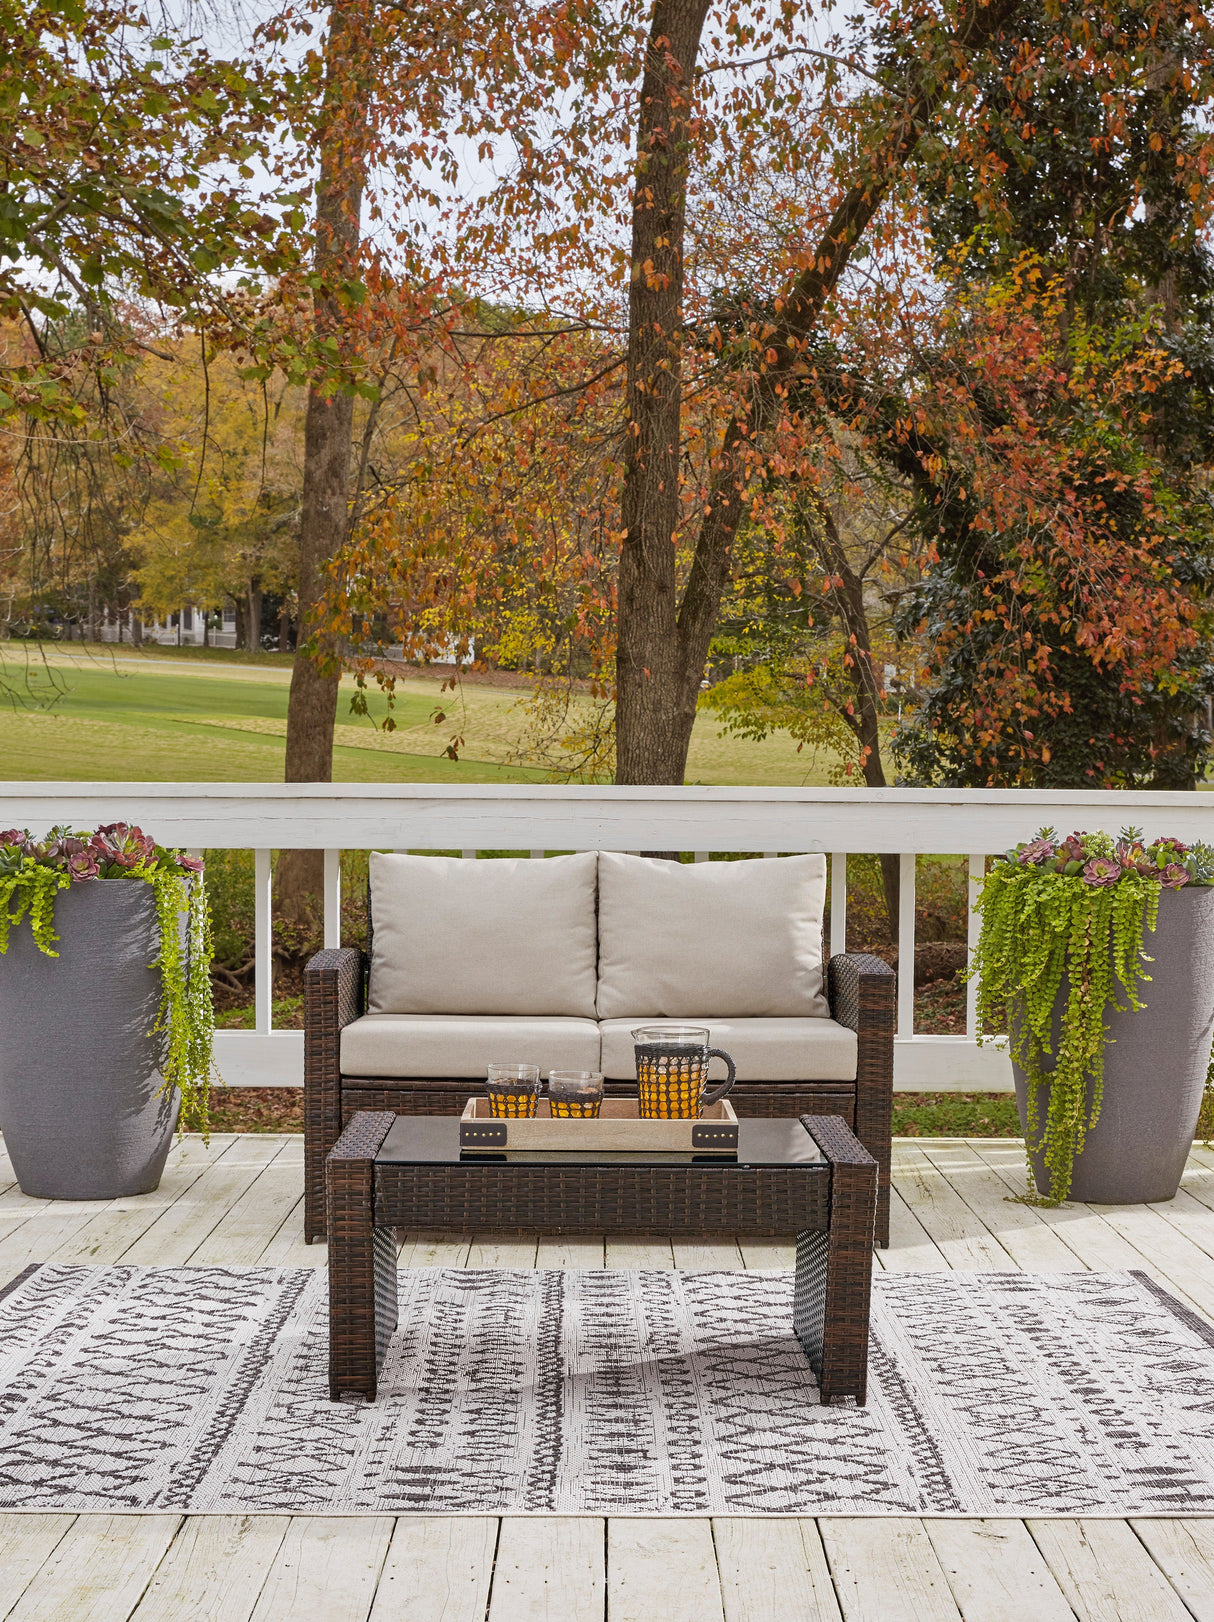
[333, 818]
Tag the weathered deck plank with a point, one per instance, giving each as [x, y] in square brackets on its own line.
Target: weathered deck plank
[996, 1572]
[1184, 1552]
[662, 1568]
[215, 1569]
[27, 1542]
[326, 1566]
[549, 1568]
[438, 1570]
[1106, 1574]
[885, 1570]
[98, 1570]
[772, 1570]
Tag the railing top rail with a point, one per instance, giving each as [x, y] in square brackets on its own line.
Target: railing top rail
[14, 790]
[533, 816]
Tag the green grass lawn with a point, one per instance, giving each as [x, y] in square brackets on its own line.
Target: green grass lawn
[174, 720]
[208, 715]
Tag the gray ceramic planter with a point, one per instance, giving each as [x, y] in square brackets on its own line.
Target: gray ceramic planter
[80, 1106]
[1154, 1067]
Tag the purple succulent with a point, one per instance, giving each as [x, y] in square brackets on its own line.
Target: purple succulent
[14, 836]
[192, 864]
[1036, 851]
[122, 848]
[81, 865]
[1101, 870]
[1174, 876]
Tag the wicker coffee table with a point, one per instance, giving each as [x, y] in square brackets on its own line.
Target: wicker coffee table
[811, 1178]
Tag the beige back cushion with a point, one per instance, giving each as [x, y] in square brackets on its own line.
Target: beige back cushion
[508, 936]
[731, 939]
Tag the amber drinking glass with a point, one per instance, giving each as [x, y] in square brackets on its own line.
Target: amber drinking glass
[575, 1093]
[513, 1089]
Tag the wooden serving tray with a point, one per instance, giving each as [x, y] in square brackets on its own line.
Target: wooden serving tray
[617, 1127]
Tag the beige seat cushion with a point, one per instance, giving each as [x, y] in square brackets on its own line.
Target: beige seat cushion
[464, 1044]
[731, 939]
[761, 1049]
[508, 936]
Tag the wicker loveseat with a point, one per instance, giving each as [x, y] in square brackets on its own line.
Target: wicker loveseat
[553, 961]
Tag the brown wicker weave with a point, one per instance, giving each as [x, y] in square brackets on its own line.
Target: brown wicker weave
[861, 993]
[828, 1207]
[362, 1260]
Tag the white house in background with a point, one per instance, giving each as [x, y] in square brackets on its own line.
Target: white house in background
[185, 629]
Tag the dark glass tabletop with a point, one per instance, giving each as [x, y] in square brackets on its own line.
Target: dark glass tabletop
[425, 1139]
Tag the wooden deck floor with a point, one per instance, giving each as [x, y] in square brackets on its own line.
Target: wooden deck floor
[237, 1202]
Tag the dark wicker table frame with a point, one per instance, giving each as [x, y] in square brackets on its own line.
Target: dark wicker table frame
[830, 1206]
[861, 994]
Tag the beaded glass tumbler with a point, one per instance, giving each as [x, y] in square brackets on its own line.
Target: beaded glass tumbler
[575, 1094]
[672, 1072]
[514, 1090]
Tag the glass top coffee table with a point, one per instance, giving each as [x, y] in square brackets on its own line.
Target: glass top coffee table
[809, 1178]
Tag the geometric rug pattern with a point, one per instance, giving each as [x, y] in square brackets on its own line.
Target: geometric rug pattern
[601, 1392]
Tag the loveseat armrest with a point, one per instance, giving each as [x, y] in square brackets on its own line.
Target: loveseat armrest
[333, 997]
[862, 991]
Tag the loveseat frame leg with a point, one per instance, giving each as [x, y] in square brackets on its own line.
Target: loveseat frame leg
[362, 1262]
[833, 1283]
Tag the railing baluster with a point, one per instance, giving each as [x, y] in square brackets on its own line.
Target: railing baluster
[906, 944]
[838, 902]
[977, 867]
[332, 904]
[263, 961]
[699, 855]
[536, 855]
[468, 855]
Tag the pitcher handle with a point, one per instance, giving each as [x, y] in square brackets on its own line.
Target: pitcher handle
[714, 1095]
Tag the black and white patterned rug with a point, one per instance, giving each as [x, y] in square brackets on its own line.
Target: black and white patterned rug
[204, 1389]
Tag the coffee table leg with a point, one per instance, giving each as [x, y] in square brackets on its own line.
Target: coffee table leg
[834, 1269]
[362, 1260]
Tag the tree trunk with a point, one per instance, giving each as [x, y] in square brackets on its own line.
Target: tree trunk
[662, 646]
[242, 623]
[652, 723]
[284, 630]
[848, 598]
[328, 434]
[136, 629]
[255, 596]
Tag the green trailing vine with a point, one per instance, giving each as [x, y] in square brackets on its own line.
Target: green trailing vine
[33, 872]
[1074, 911]
[31, 889]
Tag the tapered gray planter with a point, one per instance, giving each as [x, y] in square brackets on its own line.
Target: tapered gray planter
[80, 1106]
[1154, 1066]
